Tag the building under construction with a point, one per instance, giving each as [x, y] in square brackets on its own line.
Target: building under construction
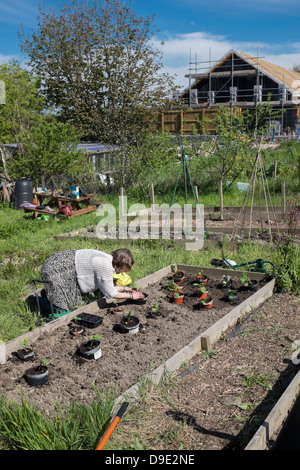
[239, 80]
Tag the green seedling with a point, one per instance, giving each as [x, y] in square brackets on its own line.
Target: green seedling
[200, 273]
[95, 337]
[128, 313]
[155, 308]
[225, 281]
[254, 378]
[43, 363]
[205, 301]
[177, 292]
[173, 288]
[201, 288]
[24, 343]
[231, 294]
[245, 280]
[171, 285]
[177, 295]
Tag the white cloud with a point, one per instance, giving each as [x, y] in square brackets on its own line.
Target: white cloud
[14, 11]
[6, 58]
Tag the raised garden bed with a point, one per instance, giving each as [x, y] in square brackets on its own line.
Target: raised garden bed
[166, 338]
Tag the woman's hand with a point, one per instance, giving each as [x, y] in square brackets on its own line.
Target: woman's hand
[128, 293]
[136, 295]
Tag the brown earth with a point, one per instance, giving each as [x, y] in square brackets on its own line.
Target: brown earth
[216, 402]
[219, 402]
[125, 357]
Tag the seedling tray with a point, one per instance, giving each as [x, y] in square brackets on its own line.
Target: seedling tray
[89, 320]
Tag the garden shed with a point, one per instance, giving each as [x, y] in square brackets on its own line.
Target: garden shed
[96, 153]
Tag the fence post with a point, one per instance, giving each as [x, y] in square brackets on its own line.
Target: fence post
[152, 196]
[283, 196]
[221, 199]
[122, 202]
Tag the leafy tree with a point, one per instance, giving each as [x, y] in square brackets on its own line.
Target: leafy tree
[98, 67]
[137, 166]
[231, 153]
[49, 149]
[23, 101]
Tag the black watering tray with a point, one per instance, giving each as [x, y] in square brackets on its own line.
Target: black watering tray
[88, 320]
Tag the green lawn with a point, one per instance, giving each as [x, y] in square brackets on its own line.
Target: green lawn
[26, 243]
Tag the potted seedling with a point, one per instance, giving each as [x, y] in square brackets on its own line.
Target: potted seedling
[178, 277]
[202, 278]
[39, 375]
[177, 295]
[226, 282]
[129, 323]
[247, 283]
[26, 353]
[91, 349]
[172, 287]
[232, 296]
[200, 291]
[155, 308]
[76, 329]
[206, 303]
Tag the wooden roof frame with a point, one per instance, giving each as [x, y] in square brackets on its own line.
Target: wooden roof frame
[262, 67]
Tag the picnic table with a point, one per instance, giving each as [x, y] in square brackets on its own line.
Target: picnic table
[55, 200]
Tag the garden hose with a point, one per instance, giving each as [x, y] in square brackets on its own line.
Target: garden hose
[113, 425]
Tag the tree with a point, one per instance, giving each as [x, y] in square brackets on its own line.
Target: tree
[98, 67]
[23, 105]
[49, 150]
[230, 153]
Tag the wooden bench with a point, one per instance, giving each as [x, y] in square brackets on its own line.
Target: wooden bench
[59, 201]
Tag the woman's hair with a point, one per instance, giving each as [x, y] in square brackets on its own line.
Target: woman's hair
[122, 260]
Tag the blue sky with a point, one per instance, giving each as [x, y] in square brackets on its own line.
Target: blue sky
[192, 30]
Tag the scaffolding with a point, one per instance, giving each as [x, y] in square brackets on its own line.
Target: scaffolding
[234, 81]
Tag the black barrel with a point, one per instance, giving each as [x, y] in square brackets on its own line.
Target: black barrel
[23, 192]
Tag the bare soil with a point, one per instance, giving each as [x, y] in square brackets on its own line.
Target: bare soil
[219, 402]
[125, 357]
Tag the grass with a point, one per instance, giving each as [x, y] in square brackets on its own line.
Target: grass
[25, 243]
[24, 427]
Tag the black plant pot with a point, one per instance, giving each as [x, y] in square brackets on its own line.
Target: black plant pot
[25, 354]
[90, 349]
[130, 324]
[232, 298]
[37, 376]
[253, 285]
[226, 285]
[141, 301]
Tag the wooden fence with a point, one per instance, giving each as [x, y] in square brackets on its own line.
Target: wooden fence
[186, 122]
